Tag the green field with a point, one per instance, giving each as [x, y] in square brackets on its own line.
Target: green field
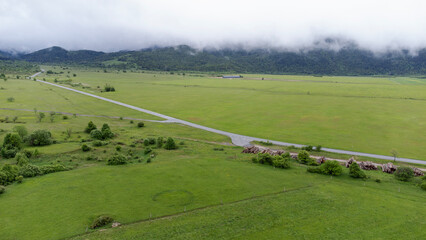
[365, 114]
[206, 189]
[243, 199]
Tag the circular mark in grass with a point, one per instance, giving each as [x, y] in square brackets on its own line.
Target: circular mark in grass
[174, 198]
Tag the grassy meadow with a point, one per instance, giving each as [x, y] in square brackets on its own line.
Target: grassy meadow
[366, 114]
[206, 189]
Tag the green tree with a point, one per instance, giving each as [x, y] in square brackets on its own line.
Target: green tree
[355, 171]
[40, 138]
[40, 116]
[331, 168]
[170, 144]
[90, 126]
[52, 116]
[21, 131]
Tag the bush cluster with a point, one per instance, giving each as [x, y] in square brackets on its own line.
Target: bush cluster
[90, 127]
[12, 143]
[356, 172]
[109, 88]
[141, 124]
[21, 159]
[85, 148]
[278, 161]
[10, 173]
[304, 158]
[170, 144]
[40, 138]
[160, 142]
[98, 143]
[147, 150]
[404, 173]
[117, 159]
[104, 133]
[328, 168]
[101, 221]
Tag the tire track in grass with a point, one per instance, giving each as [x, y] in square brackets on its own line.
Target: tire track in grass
[169, 216]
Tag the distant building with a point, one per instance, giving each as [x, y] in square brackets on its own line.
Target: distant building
[232, 76]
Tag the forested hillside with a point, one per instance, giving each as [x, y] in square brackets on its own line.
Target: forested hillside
[347, 61]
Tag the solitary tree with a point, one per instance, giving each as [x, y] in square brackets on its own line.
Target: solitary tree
[394, 154]
[52, 116]
[40, 116]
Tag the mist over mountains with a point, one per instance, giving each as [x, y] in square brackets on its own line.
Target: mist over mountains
[347, 60]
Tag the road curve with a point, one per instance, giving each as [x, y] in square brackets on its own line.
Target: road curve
[237, 139]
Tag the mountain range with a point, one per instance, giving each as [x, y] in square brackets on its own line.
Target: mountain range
[348, 60]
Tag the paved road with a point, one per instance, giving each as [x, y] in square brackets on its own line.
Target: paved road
[237, 139]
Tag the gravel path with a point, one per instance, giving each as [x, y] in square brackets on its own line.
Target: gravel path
[237, 139]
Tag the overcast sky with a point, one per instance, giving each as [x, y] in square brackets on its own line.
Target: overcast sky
[109, 25]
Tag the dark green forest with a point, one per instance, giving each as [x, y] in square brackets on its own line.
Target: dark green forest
[347, 61]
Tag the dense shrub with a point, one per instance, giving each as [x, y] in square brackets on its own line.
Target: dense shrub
[147, 150]
[423, 185]
[90, 127]
[99, 143]
[27, 153]
[109, 88]
[170, 144]
[8, 153]
[40, 138]
[3, 178]
[151, 141]
[21, 159]
[160, 142]
[106, 132]
[11, 172]
[141, 124]
[118, 148]
[19, 179]
[30, 171]
[304, 158]
[308, 148]
[117, 159]
[12, 143]
[280, 162]
[146, 142]
[101, 221]
[318, 148]
[85, 148]
[2, 189]
[265, 158]
[331, 168]
[52, 168]
[355, 171]
[96, 134]
[404, 173]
